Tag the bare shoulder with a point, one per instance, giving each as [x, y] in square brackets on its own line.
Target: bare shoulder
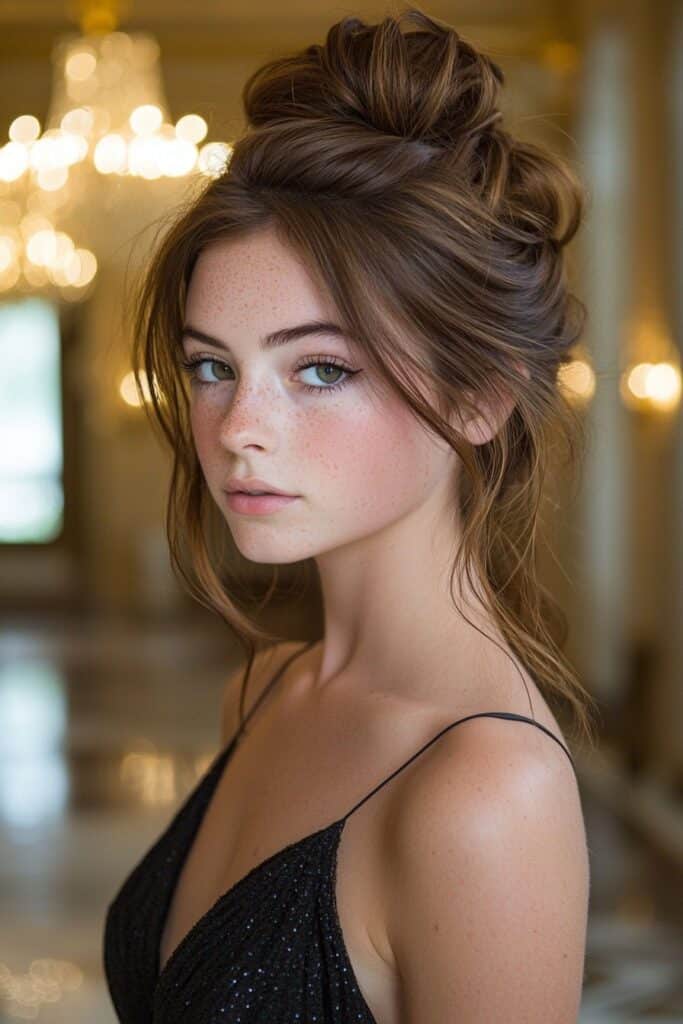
[266, 664]
[488, 863]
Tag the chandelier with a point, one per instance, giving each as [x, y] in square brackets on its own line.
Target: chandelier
[71, 196]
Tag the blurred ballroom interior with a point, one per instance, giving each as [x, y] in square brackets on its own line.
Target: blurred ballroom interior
[111, 672]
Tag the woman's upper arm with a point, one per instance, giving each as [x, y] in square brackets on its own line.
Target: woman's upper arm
[491, 880]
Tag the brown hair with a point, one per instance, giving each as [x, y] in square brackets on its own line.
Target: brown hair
[379, 157]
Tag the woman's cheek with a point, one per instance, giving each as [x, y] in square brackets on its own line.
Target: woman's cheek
[372, 455]
[205, 426]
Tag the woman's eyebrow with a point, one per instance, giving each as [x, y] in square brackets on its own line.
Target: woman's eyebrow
[280, 337]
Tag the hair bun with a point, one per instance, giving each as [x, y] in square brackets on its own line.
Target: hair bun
[428, 84]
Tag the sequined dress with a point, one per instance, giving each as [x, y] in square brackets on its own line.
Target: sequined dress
[269, 951]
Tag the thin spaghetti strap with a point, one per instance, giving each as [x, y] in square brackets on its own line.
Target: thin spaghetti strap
[269, 686]
[479, 714]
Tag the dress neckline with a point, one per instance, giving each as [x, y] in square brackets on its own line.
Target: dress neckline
[335, 829]
[212, 779]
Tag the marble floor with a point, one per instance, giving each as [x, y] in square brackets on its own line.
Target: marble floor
[106, 726]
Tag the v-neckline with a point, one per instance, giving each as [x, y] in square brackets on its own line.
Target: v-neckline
[211, 780]
[213, 777]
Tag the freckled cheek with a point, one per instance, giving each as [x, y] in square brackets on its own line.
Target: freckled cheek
[368, 459]
[206, 427]
[370, 462]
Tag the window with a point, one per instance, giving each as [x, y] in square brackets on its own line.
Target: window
[31, 449]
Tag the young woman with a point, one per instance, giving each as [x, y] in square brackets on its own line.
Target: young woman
[371, 310]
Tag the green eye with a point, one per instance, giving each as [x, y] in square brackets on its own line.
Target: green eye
[192, 366]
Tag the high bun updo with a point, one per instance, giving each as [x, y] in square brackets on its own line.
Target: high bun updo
[380, 157]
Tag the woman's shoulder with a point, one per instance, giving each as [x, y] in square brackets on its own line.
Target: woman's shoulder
[479, 752]
[489, 865]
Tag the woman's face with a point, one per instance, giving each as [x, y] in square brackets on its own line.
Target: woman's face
[354, 454]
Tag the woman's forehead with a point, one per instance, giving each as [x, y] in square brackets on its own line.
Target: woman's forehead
[255, 281]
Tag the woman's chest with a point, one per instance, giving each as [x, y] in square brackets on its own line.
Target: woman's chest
[272, 793]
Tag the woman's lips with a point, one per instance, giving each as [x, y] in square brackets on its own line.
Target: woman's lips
[258, 504]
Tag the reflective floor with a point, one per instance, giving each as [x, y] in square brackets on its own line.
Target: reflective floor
[106, 726]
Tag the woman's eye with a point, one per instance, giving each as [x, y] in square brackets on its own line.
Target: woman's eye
[327, 371]
[192, 367]
[323, 370]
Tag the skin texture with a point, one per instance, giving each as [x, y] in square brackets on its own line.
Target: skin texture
[486, 866]
[492, 866]
[375, 510]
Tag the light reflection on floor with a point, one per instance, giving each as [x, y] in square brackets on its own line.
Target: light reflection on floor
[105, 728]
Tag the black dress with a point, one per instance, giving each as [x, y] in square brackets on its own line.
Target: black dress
[269, 951]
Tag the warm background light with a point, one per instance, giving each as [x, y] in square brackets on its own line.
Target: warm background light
[108, 118]
[128, 390]
[577, 380]
[652, 387]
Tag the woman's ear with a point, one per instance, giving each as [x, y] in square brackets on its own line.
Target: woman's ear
[493, 411]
